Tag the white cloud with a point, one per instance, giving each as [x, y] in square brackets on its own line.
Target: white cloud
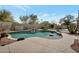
[45, 15]
[17, 19]
[49, 17]
[52, 18]
[22, 7]
[75, 14]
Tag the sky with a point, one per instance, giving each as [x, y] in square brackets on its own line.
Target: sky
[51, 13]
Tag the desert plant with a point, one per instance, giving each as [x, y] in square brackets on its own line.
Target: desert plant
[68, 22]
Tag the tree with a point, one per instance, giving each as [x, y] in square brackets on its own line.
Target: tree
[45, 24]
[33, 19]
[5, 16]
[29, 19]
[68, 22]
[78, 21]
[24, 19]
[53, 25]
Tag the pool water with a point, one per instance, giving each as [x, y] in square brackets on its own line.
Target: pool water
[31, 34]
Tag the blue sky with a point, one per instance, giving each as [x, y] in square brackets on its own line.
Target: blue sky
[51, 13]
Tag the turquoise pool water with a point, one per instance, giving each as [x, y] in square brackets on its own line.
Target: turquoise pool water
[25, 34]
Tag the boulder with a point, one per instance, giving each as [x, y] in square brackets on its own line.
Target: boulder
[75, 45]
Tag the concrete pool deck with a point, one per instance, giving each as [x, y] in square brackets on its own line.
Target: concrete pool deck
[41, 45]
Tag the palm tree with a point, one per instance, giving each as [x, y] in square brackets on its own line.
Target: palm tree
[24, 19]
[33, 19]
[68, 21]
[5, 16]
[78, 21]
[29, 20]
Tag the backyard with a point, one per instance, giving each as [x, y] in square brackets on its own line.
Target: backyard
[32, 34]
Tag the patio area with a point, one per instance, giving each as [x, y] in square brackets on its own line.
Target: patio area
[41, 45]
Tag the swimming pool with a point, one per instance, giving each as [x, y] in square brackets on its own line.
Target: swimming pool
[26, 34]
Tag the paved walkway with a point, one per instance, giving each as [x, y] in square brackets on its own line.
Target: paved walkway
[41, 45]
